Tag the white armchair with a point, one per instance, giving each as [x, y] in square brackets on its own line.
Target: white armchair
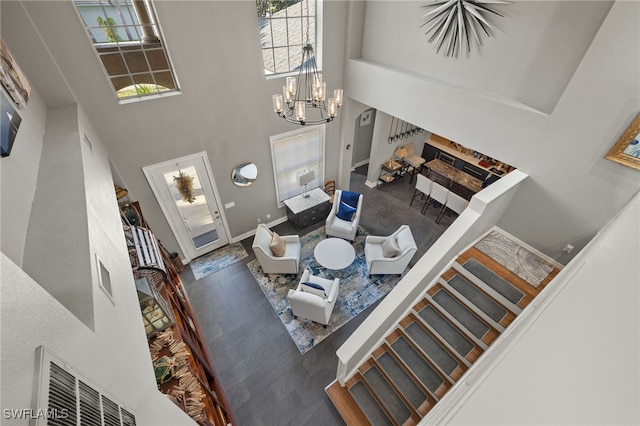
[392, 254]
[315, 304]
[336, 227]
[288, 263]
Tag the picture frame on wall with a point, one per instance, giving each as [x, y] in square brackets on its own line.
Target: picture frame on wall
[627, 150]
[9, 123]
[12, 78]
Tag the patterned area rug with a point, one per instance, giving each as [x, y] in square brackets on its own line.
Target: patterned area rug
[217, 260]
[357, 290]
[522, 262]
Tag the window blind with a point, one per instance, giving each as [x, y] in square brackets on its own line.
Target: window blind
[294, 154]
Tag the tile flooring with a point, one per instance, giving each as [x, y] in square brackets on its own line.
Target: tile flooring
[266, 379]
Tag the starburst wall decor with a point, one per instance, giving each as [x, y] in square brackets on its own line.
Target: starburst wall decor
[451, 23]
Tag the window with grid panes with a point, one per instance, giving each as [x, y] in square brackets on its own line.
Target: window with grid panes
[284, 28]
[127, 39]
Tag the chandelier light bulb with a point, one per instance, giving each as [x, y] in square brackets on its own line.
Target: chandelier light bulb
[286, 95]
[290, 86]
[300, 110]
[332, 107]
[337, 94]
[277, 103]
[319, 91]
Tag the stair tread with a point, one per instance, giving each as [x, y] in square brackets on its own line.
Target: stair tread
[387, 396]
[467, 318]
[478, 298]
[432, 348]
[402, 380]
[458, 341]
[421, 368]
[493, 280]
[368, 404]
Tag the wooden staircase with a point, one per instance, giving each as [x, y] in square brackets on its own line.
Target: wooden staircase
[447, 330]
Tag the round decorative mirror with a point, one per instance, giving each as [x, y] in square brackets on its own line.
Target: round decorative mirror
[244, 173]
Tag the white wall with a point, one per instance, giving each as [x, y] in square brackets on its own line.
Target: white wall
[56, 252]
[572, 191]
[19, 173]
[578, 363]
[530, 57]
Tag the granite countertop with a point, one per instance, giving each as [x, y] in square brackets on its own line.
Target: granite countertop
[455, 175]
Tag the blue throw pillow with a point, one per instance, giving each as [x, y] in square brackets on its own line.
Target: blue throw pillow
[345, 211]
[350, 198]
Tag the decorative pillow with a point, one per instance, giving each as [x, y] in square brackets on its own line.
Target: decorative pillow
[314, 288]
[350, 197]
[345, 211]
[390, 247]
[277, 245]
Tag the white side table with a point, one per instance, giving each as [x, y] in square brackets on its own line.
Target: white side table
[334, 253]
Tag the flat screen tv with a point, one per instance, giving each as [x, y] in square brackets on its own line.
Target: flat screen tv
[9, 123]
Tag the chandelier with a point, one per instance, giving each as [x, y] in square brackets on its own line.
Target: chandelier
[305, 94]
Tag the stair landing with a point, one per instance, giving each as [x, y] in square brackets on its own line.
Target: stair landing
[447, 330]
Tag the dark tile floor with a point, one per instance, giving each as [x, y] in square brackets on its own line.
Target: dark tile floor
[265, 378]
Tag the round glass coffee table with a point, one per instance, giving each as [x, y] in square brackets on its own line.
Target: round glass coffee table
[334, 253]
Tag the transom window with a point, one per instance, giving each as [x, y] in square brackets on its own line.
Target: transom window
[127, 39]
[286, 26]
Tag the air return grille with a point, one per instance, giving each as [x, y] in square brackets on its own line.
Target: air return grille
[63, 397]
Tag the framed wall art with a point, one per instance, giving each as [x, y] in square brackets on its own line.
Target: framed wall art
[627, 150]
[12, 78]
[9, 123]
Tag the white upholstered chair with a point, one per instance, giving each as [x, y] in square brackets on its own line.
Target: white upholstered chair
[423, 188]
[454, 203]
[438, 194]
[392, 254]
[288, 263]
[315, 302]
[336, 227]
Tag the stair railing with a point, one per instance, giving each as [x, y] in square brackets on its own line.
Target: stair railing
[484, 211]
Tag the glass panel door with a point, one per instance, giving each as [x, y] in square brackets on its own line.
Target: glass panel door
[184, 189]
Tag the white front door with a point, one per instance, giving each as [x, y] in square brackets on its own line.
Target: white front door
[185, 190]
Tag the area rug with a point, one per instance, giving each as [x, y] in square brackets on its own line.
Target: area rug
[356, 292]
[217, 260]
[519, 260]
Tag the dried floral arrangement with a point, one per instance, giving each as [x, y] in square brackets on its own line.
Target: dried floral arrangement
[188, 391]
[184, 184]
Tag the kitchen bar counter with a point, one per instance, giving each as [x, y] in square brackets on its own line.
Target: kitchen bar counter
[457, 176]
[446, 147]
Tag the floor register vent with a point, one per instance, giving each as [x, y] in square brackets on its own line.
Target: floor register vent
[63, 397]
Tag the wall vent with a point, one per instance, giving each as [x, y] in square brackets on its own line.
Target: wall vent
[104, 279]
[64, 398]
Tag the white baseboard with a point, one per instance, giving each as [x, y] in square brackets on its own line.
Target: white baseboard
[253, 231]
